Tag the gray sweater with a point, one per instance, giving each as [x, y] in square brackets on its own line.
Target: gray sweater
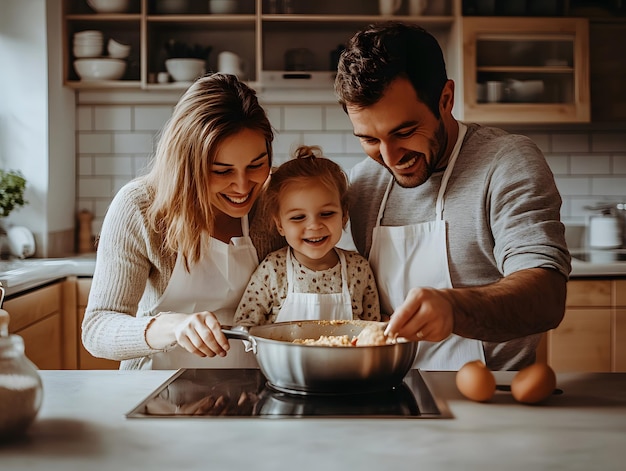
[502, 210]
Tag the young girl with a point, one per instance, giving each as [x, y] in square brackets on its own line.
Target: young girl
[309, 279]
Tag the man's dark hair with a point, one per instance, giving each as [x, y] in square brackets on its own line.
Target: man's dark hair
[382, 52]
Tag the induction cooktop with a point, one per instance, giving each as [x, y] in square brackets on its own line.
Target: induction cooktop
[245, 393]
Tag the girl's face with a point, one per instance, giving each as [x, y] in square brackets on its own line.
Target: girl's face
[311, 219]
[240, 169]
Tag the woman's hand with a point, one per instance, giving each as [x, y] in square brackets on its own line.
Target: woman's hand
[198, 333]
[201, 334]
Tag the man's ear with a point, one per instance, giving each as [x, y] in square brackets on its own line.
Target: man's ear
[279, 226]
[446, 100]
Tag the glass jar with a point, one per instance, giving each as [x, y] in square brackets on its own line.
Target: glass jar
[21, 390]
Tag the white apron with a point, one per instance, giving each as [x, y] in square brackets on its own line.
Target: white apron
[316, 306]
[403, 257]
[215, 284]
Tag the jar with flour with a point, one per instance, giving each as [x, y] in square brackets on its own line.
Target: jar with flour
[21, 390]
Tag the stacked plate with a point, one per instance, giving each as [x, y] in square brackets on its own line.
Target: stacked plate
[88, 44]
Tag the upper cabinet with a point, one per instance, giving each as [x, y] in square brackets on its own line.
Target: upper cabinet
[507, 69]
[276, 43]
[526, 70]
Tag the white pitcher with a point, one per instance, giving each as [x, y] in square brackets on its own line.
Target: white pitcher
[389, 7]
[230, 63]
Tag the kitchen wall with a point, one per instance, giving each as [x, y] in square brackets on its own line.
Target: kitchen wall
[115, 141]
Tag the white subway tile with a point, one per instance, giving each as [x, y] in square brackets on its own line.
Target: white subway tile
[590, 164]
[302, 118]
[84, 118]
[85, 165]
[353, 144]
[141, 164]
[150, 118]
[608, 142]
[132, 143]
[285, 143]
[559, 164]
[101, 206]
[619, 165]
[330, 143]
[119, 182]
[570, 142]
[94, 187]
[336, 119]
[92, 143]
[114, 165]
[275, 115]
[346, 161]
[570, 186]
[112, 118]
[612, 186]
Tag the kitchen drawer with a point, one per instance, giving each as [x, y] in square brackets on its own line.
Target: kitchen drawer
[588, 293]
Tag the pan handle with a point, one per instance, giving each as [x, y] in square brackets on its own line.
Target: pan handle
[241, 333]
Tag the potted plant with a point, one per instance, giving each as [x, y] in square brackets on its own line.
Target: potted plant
[186, 62]
[12, 186]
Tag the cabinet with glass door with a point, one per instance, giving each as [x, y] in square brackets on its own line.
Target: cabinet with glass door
[521, 70]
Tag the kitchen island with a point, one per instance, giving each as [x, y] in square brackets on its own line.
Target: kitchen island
[82, 425]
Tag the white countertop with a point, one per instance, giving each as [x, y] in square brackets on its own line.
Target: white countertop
[82, 425]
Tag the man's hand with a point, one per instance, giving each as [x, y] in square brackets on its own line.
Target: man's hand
[425, 314]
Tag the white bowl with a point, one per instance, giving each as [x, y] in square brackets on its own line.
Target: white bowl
[185, 69]
[87, 50]
[109, 6]
[525, 91]
[222, 7]
[100, 69]
[118, 50]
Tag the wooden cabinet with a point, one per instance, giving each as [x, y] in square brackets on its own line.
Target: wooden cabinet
[264, 33]
[37, 317]
[519, 70]
[85, 360]
[592, 335]
[49, 320]
[607, 70]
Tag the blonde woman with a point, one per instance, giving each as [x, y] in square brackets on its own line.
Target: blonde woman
[178, 245]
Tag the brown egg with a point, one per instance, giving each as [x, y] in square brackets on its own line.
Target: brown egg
[475, 381]
[533, 384]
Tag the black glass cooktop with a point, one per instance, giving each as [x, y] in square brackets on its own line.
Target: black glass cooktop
[229, 393]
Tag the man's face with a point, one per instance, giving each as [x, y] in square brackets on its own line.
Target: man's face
[402, 134]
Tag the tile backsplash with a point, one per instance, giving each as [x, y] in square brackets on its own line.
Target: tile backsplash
[115, 142]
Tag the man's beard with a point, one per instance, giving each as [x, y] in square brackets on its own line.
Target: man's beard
[417, 179]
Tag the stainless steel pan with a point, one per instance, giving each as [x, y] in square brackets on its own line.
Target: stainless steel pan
[314, 369]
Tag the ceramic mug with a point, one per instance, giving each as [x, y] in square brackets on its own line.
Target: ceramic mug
[417, 7]
[388, 7]
[495, 90]
[230, 63]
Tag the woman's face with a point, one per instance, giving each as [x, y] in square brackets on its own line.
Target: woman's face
[239, 171]
[311, 219]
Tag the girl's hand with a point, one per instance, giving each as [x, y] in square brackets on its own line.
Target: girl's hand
[201, 334]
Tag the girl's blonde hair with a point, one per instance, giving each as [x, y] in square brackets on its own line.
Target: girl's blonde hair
[214, 108]
[308, 164]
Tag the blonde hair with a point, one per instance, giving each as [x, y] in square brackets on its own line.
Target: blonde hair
[308, 164]
[214, 108]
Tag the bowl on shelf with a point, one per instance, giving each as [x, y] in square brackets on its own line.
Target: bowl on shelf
[524, 91]
[100, 69]
[185, 69]
[87, 43]
[222, 7]
[118, 50]
[109, 6]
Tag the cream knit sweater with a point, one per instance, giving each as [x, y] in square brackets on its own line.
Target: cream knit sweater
[132, 273]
